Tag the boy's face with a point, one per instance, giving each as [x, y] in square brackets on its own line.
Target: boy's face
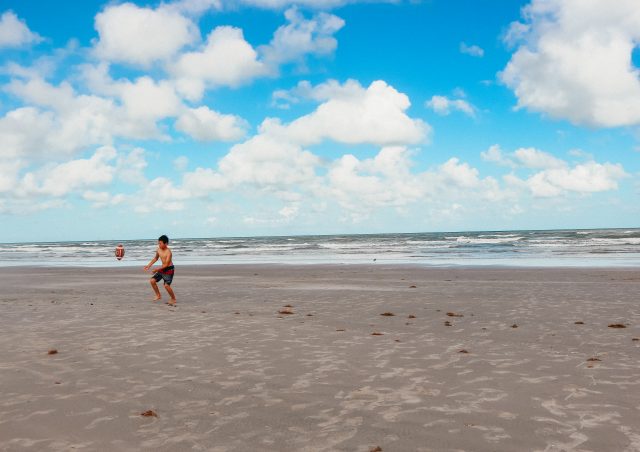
[162, 245]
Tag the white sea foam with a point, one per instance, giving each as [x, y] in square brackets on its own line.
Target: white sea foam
[594, 247]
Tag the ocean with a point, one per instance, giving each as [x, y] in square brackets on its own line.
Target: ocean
[573, 248]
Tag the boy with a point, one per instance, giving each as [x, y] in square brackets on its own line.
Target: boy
[165, 272]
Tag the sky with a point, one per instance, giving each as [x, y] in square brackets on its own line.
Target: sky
[209, 118]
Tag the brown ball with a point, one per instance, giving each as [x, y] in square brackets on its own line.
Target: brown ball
[119, 252]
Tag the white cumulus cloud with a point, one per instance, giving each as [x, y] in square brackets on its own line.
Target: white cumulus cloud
[71, 176]
[204, 124]
[550, 176]
[444, 105]
[300, 37]
[573, 61]
[523, 157]
[353, 114]
[588, 177]
[15, 32]
[141, 36]
[472, 50]
[226, 59]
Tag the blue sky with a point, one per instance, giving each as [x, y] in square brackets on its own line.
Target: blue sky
[201, 118]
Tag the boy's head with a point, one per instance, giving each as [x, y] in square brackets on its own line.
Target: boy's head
[163, 240]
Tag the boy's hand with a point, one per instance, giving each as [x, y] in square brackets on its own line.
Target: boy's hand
[146, 268]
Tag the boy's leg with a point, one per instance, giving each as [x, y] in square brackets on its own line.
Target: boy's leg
[171, 294]
[154, 285]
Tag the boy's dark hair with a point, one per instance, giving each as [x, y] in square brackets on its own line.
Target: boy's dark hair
[164, 239]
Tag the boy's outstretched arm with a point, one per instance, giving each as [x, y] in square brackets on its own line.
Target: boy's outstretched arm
[155, 258]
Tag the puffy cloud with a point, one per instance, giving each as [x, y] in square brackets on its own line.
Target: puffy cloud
[181, 163]
[71, 176]
[204, 124]
[495, 155]
[361, 186]
[140, 36]
[573, 61]
[161, 194]
[146, 99]
[523, 157]
[444, 105]
[14, 32]
[265, 161]
[260, 162]
[275, 159]
[556, 177]
[318, 4]
[536, 159]
[588, 177]
[460, 174]
[385, 180]
[289, 212]
[130, 168]
[62, 121]
[225, 60]
[195, 7]
[150, 101]
[472, 50]
[300, 37]
[100, 199]
[353, 114]
[9, 170]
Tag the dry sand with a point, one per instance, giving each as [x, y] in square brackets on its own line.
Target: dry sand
[226, 371]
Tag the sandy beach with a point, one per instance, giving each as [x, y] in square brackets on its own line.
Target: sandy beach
[284, 358]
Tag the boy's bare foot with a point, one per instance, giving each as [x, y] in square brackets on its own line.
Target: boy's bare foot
[157, 298]
[172, 302]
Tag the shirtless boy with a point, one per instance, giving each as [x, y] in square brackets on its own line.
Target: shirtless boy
[165, 272]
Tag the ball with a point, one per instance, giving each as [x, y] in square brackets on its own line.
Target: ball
[119, 252]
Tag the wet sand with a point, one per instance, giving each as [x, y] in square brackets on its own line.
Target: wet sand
[279, 358]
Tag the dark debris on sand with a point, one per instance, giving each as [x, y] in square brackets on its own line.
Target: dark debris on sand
[447, 323]
[617, 325]
[149, 413]
[579, 322]
[388, 314]
[53, 351]
[375, 333]
[453, 314]
[411, 316]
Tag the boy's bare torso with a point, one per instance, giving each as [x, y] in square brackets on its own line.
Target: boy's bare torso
[165, 256]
